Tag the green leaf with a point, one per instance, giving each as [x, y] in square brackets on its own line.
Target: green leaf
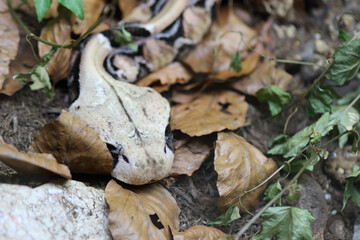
[41, 7]
[124, 37]
[279, 146]
[350, 191]
[345, 120]
[291, 147]
[230, 215]
[344, 36]
[285, 223]
[275, 96]
[75, 6]
[235, 63]
[348, 98]
[294, 194]
[273, 190]
[346, 63]
[319, 100]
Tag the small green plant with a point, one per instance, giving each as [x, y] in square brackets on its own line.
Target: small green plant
[75, 6]
[125, 38]
[229, 216]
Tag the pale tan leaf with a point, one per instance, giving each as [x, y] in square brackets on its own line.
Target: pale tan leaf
[9, 40]
[211, 112]
[92, 11]
[57, 31]
[1, 140]
[201, 232]
[189, 157]
[127, 6]
[213, 54]
[240, 167]
[75, 144]
[162, 79]
[32, 163]
[266, 74]
[147, 212]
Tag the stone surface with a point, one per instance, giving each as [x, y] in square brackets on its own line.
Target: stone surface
[356, 235]
[58, 210]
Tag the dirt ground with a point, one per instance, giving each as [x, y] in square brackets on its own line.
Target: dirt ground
[25, 113]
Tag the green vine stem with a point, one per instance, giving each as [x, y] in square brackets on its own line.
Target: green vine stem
[70, 45]
[258, 214]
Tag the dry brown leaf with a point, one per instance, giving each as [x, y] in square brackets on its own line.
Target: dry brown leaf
[74, 143]
[211, 112]
[225, 37]
[32, 163]
[200, 232]
[127, 6]
[162, 79]
[9, 40]
[23, 63]
[189, 157]
[57, 31]
[240, 167]
[92, 11]
[147, 212]
[266, 74]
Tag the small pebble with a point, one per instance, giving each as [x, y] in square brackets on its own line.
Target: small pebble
[333, 212]
[328, 196]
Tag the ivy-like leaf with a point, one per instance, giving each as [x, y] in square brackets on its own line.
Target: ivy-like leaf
[75, 6]
[230, 215]
[291, 147]
[285, 223]
[350, 191]
[275, 96]
[41, 7]
[348, 98]
[235, 62]
[346, 64]
[273, 190]
[345, 119]
[343, 36]
[319, 100]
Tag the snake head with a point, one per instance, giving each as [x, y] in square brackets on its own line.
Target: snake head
[132, 120]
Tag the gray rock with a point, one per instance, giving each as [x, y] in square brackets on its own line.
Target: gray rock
[356, 235]
[58, 210]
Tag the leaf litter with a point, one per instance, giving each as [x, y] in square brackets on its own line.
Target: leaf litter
[221, 74]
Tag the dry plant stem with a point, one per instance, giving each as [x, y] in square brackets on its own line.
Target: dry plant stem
[71, 45]
[257, 215]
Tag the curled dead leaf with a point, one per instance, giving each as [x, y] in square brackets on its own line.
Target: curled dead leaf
[211, 112]
[92, 11]
[240, 167]
[32, 163]
[189, 157]
[226, 37]
[75, 144]
[57, 31]
[201, 232]
[266, 74]
[9, 41]
[162, 79]
[147, 212]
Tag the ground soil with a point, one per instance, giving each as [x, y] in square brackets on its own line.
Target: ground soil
[25, 113]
